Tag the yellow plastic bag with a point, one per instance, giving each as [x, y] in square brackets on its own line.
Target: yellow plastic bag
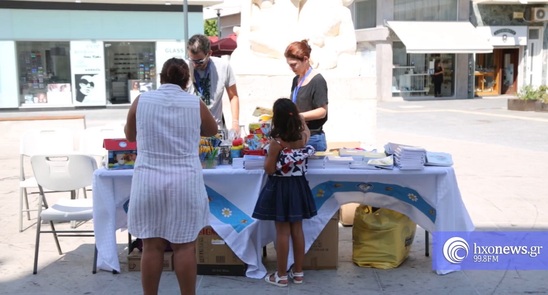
[382, 237]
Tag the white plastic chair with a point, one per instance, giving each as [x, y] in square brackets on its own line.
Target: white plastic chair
[63, 173]
[91, 140]
[45, 141]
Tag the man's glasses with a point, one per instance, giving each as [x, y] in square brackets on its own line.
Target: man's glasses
[87, 83]
[199, 61]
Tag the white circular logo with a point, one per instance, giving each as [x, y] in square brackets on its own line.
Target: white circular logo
[452, 250]
[122, 144]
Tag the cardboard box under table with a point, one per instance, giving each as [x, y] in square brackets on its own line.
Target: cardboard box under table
[214, 257]
[347, 213]
[324, 252]
[134, 261]
[121, 154]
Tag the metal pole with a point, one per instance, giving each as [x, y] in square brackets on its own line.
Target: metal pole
[185, 14]
[219, 22]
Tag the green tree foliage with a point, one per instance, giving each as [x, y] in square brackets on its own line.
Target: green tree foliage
[210, 27]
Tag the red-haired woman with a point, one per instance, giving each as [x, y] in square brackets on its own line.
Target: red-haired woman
[308, 92]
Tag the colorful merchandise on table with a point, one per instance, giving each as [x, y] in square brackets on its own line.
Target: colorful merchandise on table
[260, 128]
[121, 154]
[209, 151]
[237, 148]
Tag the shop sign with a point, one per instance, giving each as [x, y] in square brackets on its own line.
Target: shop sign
[87, 62]
[506, 35]
[166, 50]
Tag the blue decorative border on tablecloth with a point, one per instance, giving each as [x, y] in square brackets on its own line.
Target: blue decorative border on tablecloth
[325, 190]
[226, 211]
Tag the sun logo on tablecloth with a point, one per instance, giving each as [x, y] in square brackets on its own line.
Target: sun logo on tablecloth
[412, 197]
[364, 187]
[320, 193]
[226, 212]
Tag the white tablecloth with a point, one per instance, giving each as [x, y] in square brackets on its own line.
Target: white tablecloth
[430, 197]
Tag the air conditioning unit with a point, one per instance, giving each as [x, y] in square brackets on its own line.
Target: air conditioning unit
[539, 14]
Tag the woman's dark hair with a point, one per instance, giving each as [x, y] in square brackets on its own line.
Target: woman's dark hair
[298, 50]
[175, 71]
[286, 120]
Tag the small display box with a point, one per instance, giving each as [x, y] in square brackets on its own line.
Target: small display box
[121, 154]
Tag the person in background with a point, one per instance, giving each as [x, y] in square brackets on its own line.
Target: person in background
[437, 78]
[308, 92]
[210, 77]
[286, 197]
[169, 202]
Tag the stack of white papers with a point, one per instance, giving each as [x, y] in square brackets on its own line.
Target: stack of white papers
[252, 162]
[386, 162]
[238, 163]
[338, 162]
[438, 159]
[316, 163]
[410, 158]
[383, 163]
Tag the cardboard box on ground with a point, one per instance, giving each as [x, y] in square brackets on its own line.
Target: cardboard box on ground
[347, 212]
[134, 261]
[214, 257]
[324, 252]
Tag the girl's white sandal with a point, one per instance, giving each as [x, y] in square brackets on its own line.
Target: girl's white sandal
[277, 280]
[297, 277]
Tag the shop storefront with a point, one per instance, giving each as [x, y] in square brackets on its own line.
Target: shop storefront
[498, 72]
[422, 49]
[80, 65]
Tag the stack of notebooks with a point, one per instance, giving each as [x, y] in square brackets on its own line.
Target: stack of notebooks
[252, 162]
[438, 159]
[338, 162]
[407, 157]
[316, 163]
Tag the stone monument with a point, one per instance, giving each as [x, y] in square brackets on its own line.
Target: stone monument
[268, 26]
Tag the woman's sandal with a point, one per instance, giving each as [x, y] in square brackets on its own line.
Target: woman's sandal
[297, 277]
[277, 280]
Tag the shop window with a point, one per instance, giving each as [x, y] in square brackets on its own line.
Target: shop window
[131, 69]
[485, 74]
[365, 14]
[412, 73]
[44, 73]
[425, 10]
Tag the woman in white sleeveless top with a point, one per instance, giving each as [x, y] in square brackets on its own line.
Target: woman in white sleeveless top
[168, 202]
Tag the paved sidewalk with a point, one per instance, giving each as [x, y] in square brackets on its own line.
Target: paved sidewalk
[500, 160]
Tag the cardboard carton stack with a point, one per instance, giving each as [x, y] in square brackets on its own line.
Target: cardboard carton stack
[324, 252]
[214, 257]
[134, 261]
[347, 213]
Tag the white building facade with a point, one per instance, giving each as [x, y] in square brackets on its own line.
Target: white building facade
[485, 47]
[58, 54]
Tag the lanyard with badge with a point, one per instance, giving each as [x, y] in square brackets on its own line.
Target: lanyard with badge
[203, 84]
[296, 90]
